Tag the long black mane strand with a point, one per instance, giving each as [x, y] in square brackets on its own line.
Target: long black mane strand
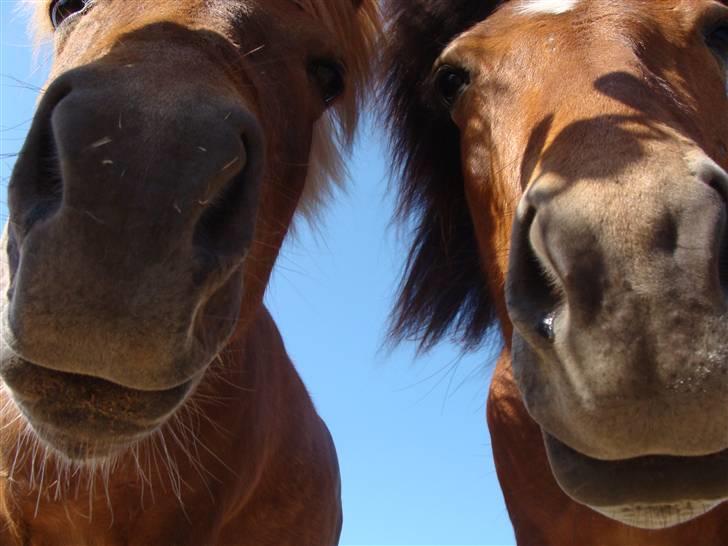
[442, 290]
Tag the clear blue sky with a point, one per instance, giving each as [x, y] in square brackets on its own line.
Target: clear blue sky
[410, 432]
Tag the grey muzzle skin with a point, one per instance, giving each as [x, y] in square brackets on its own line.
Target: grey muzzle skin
[132, 207]
[617, 293]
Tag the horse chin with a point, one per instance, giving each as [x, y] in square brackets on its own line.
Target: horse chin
[657, 516]
[69, 448]
[651, 492]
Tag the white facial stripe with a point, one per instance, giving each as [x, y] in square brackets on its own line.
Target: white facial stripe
[555, 7]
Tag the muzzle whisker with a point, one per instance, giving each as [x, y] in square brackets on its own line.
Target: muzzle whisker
[195, 462]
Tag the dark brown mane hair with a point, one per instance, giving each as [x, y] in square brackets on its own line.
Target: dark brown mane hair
[442, 289]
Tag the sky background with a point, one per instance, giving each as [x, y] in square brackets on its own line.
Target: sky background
[410, 430]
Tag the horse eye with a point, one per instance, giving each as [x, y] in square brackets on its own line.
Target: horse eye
[450, 82]
[717, 41]
[329, 78]
[61, 10]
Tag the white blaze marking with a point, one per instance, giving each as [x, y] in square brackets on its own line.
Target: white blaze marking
[533, 7]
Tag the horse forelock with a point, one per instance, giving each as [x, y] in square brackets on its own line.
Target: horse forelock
[442, 290]
[39, 23]
[356, 32]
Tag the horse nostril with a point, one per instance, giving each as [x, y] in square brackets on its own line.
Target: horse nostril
[45, 191]
[710, 173]
[543, 297]
[220, 211]
[225, 228]
[546, 326]
[723, 247]
[716, 178]
[532, 297]
[35, 190]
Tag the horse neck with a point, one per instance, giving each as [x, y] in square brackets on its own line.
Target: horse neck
[222, 446]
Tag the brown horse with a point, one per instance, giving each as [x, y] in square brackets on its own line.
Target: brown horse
[148, 398]
[563, 164]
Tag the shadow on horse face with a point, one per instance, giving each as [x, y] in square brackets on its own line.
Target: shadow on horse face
[592, 138]
[162, 170]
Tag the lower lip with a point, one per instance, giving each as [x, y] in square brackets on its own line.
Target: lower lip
[645, 480]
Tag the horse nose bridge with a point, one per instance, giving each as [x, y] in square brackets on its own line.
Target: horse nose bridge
[665, 237]
[137, 138]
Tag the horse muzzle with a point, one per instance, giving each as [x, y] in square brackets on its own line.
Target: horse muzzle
[133, 206]
[617, 293]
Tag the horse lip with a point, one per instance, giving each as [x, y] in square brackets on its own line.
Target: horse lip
[12, 356]
[71, 411]
[648, 480]
[13, 364]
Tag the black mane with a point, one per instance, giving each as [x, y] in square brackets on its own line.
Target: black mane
[442, 290]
